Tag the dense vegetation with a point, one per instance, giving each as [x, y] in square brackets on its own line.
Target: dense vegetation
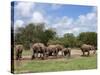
[33, 33]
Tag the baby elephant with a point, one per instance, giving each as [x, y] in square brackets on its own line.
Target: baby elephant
[19, 50]
[66, 51]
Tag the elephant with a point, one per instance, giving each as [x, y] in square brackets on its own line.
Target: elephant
[38, 48]
[54, 49]
[87, 48]
[19, 50]
[59, 48]
[51, 50]
[66, 51]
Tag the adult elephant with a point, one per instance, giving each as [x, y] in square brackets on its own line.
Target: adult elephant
[19, 50]
[66, 51]
[87, 48]
[59, 48]
[38, 48]
[51, 49]
[54, 49]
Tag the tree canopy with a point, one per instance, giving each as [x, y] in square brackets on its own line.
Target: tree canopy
[33, 33]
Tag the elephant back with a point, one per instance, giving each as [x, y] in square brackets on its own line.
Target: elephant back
[86, 47]
[66, 49]
[51, 47]
[38, 46]
[59, 47]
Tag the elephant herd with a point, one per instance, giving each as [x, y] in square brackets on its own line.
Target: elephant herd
[51, 50]
[39, 49]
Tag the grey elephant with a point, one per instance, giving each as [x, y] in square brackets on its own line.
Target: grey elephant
[19, 49]
[54, 49]
[66, 51]
[51, 50]
[87, 48]
[59, 48]
[38, 48]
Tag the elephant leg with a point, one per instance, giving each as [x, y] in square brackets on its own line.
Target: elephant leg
[44, 55]
[17, 56]
[41, 55]
[36, 54]
[20, 54]
[69, 53]
[56, 54]
[88, 53]
[61, 53]
[47, 53]
[50, 53]
[65, 53]
[33, 55]
[83, 53]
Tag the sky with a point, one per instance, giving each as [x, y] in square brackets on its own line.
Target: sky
[63, 18]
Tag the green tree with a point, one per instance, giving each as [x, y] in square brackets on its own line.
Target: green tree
[88, 38]
[69, 40]
[33, 33]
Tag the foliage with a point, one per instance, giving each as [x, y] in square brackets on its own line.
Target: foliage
[33, 33]
[88, 38]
